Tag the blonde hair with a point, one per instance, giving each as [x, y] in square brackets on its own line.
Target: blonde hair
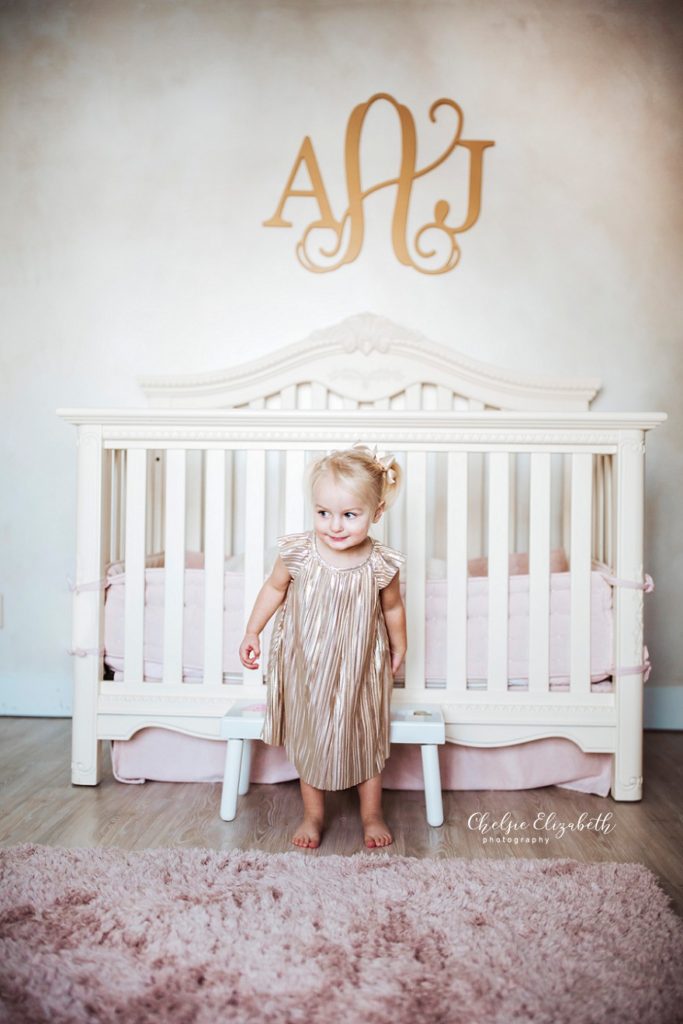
[373, 476]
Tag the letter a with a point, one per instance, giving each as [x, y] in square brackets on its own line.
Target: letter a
[306, 155]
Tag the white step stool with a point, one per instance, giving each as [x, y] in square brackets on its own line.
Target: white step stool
[410, 723]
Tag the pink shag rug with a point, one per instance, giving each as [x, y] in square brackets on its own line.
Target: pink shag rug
[206, 937]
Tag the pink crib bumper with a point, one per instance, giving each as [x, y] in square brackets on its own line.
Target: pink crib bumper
[435, 626]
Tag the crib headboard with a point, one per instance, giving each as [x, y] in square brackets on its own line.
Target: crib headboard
[366, 361]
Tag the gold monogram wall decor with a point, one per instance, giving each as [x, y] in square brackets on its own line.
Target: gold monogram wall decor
[351, 224]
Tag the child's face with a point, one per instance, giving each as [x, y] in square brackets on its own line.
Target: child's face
[342, 520]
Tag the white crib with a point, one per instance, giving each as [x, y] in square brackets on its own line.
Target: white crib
[495, 462]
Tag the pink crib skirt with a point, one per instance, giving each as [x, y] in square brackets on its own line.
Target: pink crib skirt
[162, 755]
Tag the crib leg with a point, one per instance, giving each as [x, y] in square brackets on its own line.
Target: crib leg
[86, 758]
[432, 783]
[231, 779]
[86, 749]
[246, 768]
[627, 762]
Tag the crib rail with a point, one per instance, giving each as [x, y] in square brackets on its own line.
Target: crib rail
[482, 484]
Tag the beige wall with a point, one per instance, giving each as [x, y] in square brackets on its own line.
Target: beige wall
[145, 142]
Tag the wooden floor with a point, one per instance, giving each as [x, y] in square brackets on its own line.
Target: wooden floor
[38, 804]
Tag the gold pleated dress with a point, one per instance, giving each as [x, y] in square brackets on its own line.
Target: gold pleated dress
[329, 678]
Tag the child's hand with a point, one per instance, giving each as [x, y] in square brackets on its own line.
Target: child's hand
[250, 650]
[396, 659]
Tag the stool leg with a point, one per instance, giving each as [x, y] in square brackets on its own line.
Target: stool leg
[233, 760]
[432, 782]
[246, 768]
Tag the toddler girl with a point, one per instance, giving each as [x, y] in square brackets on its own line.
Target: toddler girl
[338, 639]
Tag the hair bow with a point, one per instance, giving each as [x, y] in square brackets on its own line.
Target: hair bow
[385, 459]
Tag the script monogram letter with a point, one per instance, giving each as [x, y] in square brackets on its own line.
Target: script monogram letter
[306, 155]
[350, 228]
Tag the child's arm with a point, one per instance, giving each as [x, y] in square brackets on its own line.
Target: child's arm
[395, 618]
[269, 598]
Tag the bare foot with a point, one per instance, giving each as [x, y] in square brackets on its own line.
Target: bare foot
[376, 832]
[308, 833]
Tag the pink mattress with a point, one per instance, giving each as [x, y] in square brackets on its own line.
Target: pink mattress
[435, 627]
[162, 755]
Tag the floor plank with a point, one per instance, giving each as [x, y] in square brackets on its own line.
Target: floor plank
[38, 804]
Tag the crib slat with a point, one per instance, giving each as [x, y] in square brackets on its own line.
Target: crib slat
[174, 575]
[444, 397]
[229, 491]
[475, 516]
[539, 573]
[609, 512]
[580, 604]
[416, 572]
[151, 499]
[288, 397]
[254, 540]
[108, 459]
[380, 530]
[456, 574]
[499, 496]
[136, 479]
[214, 568]
[318, 395]
[438, 486]
[413, 396]
[512, 503]
[294, 491]
[566, 470]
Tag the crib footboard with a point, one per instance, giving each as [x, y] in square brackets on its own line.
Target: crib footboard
[225, 483]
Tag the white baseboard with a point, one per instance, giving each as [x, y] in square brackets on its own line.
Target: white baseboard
[663, 707]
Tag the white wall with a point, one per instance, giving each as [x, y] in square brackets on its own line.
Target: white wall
[145, 142]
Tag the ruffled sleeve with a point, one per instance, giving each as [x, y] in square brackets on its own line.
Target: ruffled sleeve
[294, 550]
[386, 562]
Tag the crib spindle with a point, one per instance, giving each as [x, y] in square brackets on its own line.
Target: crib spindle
[416, 572]
[475, 514]
[174, 576]
[318, 395]
[566, 500]
[580, 603]
[136, 480]
[513, 462]
[456, 575]
[498, 581]
[214, 567]
[254, 542]
[539, 573]
[229, 530]
[288, 397]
